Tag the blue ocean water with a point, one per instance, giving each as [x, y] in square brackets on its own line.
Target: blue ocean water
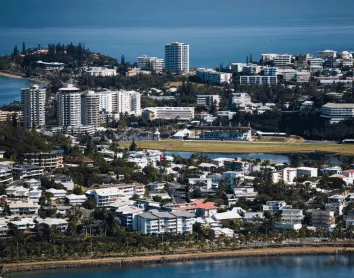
[10, 89]
[280, 267]
[217, 32]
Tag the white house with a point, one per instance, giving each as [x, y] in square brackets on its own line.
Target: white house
[106, 196]
[287, 175]
[23, 208]
[206, 181]
[74, 200]
[307, 171]
[57, 193]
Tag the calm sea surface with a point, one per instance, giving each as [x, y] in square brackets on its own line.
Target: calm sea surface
[10, 89]
[282, 267]
[217, 32]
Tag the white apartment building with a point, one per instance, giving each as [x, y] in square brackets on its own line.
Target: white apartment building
[287, 175]
[207, 100]
[258, 80]
[270, 71]
[337, 112]
[236, 67]
[316, 69]
[168, 113]
[23, 208]
[16, 191]
[129, 102]
[127, 214]
[288, 74]
[324, 219]
[275, 206]
[307, 171]
[69, 106]
[317, 62]
[99, 71]
[107, 101]
[302, 76]
[207, 182]
[160, 222]
[267, 57]
[106, 196]
[238, 98]
[213, 76]
[282, 60]
[326, 54]
[153, 64]
[74, 200]
[5, 174]
[57, 193]
[303, 59]
[90, 109]
[291, 219]
[33, 106]
[177, 57]
[34, 195]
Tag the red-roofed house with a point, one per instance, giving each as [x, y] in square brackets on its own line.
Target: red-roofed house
[349, 174]
[198, 207]
[348, 181]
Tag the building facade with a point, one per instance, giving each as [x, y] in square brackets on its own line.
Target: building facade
[160, 222]
[258, 80]
[129, 102]
[90, 109]
[177, 57]
[46, 160]
[337, 112]
[168, 113]
[69, 106]
[33, 106]
[207, 100]
[213, 77]
[152, 64]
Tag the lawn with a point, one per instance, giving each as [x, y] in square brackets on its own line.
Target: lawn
[242, 147]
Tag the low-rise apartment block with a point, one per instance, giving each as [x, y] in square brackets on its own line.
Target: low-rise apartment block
[27, 172]
[258, 80]
[287, 175]
[18, 208]
[323, 219]
[106, 196]
[46, 160]
[337, 112]
[213, 77]
[159, 222]
[207, 100]
[307, 171]
[168, 113]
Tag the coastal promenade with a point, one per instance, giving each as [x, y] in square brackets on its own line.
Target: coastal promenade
[333, 248]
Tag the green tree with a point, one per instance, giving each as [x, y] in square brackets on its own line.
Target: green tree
[133, 146]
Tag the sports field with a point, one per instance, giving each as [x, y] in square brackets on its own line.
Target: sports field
[242, 147]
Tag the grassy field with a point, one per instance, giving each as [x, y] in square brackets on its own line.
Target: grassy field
[241, 147]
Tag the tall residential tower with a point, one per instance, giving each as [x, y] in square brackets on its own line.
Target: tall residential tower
[90, 109]
[177, 57]
[33, 106]
[69, 106]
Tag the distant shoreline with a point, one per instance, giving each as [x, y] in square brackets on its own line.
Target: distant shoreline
[170, 258]
[16, 76]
